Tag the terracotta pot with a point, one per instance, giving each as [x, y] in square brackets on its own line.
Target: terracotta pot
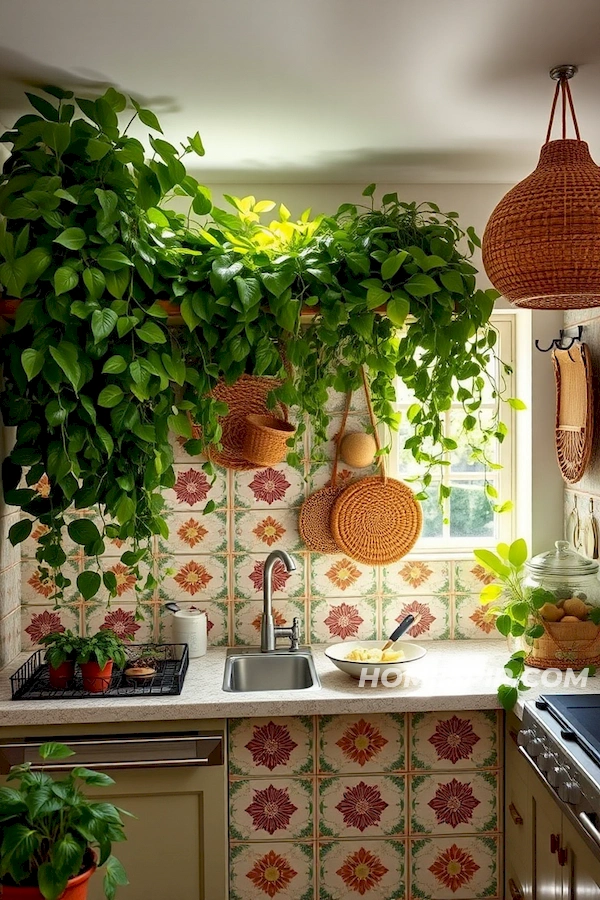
[76, 889]
[173, 309]
[62, 676]
[95, 679]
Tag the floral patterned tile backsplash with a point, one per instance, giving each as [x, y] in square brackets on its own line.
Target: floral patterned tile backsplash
[383, 806]
[215, 562]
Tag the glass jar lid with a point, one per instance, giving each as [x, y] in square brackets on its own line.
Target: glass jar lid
[562, 561]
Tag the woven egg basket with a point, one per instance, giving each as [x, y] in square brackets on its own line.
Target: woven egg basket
[541, 245]
[247, 396]
[574, 428]
[566, 645]
[315, 512]
[376, 520]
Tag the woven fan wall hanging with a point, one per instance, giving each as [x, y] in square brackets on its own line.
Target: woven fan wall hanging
[376, 520]
[574, 429]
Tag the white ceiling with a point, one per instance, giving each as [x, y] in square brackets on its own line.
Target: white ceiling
[322, 90]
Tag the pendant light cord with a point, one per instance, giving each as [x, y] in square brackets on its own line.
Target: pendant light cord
[562, 86]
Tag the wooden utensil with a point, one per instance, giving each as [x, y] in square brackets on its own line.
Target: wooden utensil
[398, 632]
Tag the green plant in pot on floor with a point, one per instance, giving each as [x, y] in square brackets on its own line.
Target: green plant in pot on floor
[54, 837]
[61, 653]
[97, 655]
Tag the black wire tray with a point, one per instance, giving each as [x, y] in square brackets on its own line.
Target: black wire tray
[30, 681]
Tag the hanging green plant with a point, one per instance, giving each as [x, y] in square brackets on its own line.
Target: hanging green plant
[96, 379]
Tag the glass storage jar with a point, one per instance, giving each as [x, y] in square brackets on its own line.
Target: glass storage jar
[565, 574]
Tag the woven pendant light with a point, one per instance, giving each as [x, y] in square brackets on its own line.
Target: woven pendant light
[541, 246]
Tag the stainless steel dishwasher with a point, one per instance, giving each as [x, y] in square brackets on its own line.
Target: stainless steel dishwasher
[175, 783]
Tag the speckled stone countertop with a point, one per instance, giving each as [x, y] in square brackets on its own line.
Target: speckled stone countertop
[454, 675]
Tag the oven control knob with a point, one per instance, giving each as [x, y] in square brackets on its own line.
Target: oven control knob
[545, 761]
[535, 747]
[524, 736]
[557, 775]
[572, 793]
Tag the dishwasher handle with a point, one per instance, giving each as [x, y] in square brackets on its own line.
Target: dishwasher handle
[128, 764]
[124, 752]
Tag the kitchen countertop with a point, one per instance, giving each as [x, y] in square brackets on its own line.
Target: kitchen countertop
[454, 675]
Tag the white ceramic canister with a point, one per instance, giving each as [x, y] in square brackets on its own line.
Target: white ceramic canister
[190, 627]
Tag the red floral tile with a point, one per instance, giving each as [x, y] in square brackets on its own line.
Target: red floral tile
[455, 868]
[129, 621]
[267, 747]
[362, 868]
[432, 616]
[272, 487]
[38, 621]
[280, 871]
[271, 809]
[451, 741]
[361, 806]
[454, 803]
[470, 577]
[247, 620]
[349, 619]
[361, 743]
[248, 574]
[193, 489]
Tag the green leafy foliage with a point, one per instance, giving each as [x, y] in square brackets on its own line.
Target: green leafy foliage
[516, 608]
[101, 647]
[95, 378]
[50, 828]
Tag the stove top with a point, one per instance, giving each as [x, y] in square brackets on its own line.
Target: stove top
[579, 718]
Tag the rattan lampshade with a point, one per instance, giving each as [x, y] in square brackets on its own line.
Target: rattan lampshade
[541, 246]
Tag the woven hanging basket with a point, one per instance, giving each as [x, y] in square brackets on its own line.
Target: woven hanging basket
[248, 395]
[541, 246]
[265, 441]
[574, 428]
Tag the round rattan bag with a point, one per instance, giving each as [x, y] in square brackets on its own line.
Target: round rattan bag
[315, 512]
[376, 520]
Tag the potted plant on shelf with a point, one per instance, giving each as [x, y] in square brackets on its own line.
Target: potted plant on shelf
[61, 653]
[96, 656]
[53, 837]
[525, 614]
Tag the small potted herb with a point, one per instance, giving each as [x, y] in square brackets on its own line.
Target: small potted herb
[53, 836]
[61, 652]
[96, 656]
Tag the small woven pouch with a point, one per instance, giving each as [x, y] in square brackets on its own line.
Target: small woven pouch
[313, 521]
[376, 520]
[574, 428]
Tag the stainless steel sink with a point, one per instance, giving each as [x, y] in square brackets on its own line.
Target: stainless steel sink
[278, 670]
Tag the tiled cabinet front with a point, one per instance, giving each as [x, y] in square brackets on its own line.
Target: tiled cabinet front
[381, 807]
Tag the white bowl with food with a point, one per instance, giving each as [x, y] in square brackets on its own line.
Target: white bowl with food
[352, 657]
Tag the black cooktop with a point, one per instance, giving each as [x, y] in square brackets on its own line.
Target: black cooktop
[579, 717]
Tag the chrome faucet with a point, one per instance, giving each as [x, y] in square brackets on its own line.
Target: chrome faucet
[269, 632]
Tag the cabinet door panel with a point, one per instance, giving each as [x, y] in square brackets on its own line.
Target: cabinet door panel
[176, 846]
[582, 872]
[547, 878]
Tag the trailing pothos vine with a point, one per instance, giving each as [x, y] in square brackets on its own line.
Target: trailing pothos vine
[94, 377]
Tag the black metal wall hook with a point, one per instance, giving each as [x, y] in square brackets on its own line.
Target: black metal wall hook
[559, 342]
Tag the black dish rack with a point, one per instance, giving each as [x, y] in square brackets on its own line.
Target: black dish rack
[31, 682]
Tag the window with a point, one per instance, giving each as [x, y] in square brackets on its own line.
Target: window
[467, 519]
